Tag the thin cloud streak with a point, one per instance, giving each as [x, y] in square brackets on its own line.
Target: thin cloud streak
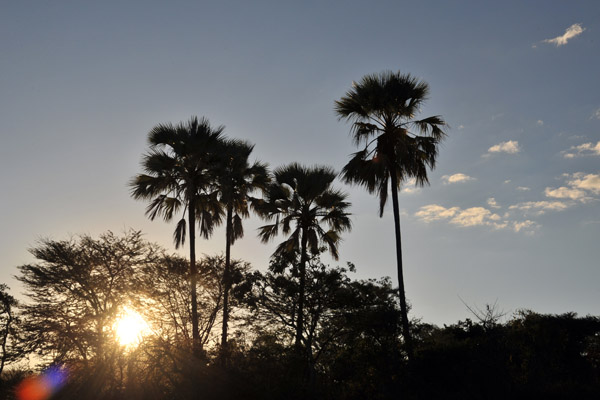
[571, 32]
[585, 149]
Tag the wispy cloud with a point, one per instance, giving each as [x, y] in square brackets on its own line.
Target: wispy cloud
[596, 114]
[571, 32]
[539, 207]
[585, 149]
[492, 203]
[565, 193]
[410, 186]
[456, 178]
[510, 147]
[588, 182]
[539, 122]
[471, 217]
[523, 188]
[518, 226]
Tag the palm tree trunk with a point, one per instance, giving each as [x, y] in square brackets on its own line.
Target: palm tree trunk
[226, 280]
[193, 277]
[302, 289]
[403, 307]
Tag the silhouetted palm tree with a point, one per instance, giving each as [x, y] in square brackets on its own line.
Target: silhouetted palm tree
[396, 146]
[299, 200]
[179, 174]
[236, 180]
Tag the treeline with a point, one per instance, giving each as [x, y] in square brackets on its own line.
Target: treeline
[352, 334]
[297, 329]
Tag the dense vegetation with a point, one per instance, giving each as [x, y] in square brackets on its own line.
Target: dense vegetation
[214, 327]
[351, 334]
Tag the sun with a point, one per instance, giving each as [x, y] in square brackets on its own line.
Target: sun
[130, 327]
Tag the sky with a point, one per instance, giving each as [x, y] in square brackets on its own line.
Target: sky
[512, 215]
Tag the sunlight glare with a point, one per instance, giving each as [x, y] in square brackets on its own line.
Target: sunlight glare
[130, 327]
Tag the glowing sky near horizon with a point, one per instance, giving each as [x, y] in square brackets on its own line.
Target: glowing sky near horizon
[512, 214]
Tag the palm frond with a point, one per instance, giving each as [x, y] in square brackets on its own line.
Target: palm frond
[179, 234]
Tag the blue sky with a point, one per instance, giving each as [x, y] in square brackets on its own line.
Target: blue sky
[512, 214]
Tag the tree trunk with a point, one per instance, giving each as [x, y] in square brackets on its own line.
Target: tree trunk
[403, 307]
[302, 272]
[193, 277]
[226, 281]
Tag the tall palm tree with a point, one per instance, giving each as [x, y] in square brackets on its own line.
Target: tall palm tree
[382, 108]
[236, 180]
[299, 200]
[179, 175]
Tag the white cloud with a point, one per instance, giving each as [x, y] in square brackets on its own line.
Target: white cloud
[585, 149]
[456, 178]
[565, 193]
[492, 203]
[519, 226]
[540, 207]
[596, 114]
[461, 127]
[507, 181]
[410, 187]
[571, 32]
[539, 122]
[510, 147]
[434, 212]
[475, 216]
[523, 188]
[589, 182]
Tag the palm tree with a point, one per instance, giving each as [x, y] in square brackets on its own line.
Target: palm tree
[397, 147]
[236, 180]
[299, 200]
[179, 174]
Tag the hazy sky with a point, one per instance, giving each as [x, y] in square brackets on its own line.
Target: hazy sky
[512, 214]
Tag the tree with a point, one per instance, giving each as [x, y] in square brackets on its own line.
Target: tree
[397, 147]
[76, 289]
[304, 197]
[236, 180]
[8, 323]
[180, 174]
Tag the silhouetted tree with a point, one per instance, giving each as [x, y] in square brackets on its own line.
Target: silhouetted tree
[9, 322]
[76, 289]
[397, 147]
[180, 174]
[236, 180]
[300, 199]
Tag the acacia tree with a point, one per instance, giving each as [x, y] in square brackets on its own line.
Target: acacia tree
[299, 200]
[236, 180]
[396, 147]
[76, 289]
[180, 174]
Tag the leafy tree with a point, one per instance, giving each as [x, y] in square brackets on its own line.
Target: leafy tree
[8, 325]
[351, 329]
[397, 147]
[179, 174]
[299, 200]
[76, 289]
[236, 180]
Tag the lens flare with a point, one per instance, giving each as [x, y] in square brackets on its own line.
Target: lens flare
[41, 387]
